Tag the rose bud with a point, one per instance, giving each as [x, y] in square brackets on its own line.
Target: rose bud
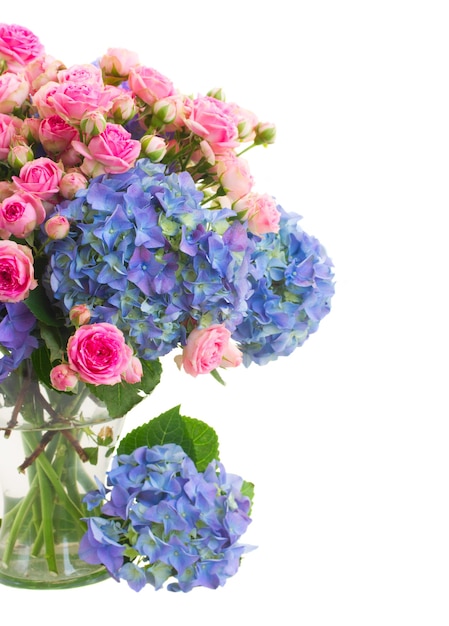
[79, 314]
[57, 227]
[265, 133]
[63, 378]
[93, 123]
[154, 147]
[71, 183]
[19, 155]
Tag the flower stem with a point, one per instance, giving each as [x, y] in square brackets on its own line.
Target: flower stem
[46, 438]
[17, 407]
[19, 519]
[47, 506]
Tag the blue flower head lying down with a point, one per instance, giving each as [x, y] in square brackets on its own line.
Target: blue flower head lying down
[163, 520]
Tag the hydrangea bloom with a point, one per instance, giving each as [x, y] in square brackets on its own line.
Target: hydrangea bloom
[163, 519]
[145, 255]
[292, 281]
[16, 341]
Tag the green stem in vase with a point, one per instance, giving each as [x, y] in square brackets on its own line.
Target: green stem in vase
[47, 508]
[55, 481]
[18, 523]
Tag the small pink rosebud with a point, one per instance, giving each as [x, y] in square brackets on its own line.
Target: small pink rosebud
[79, 315]
[63, 378]
[19, 155]
[30, 129]
[123, 108]
[93, 123]
[57, 227]
[134, 372]
[165, 110]
[72, 182]
[116, 63]
[265, 133]
[154, 147]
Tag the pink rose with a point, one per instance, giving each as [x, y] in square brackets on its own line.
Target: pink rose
[234, 175]
[56, 135]
[63, 378]
[261, 212]
[20, 214]
[9, 127]
[134, 372]
[16, 272]
[209, 348]
[72, 101]
[18, 45]
[99, 354]
[41, 71]
[149, 85]
[14, 90]
[70, 158]
[112, 151]
[85, 74]
[40, 177]
[42, 99]
[214, 121]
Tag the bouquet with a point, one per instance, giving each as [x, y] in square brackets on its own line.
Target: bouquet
[131, 228]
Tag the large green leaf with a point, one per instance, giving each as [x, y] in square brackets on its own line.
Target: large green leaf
[41, 307]
[122, 397]
[198, 440]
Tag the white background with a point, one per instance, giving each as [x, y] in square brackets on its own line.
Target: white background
[346, 440]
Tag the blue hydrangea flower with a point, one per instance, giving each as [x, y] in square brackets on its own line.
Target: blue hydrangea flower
[16, 340]
[164, 521]
[292, 284]
[146, 256]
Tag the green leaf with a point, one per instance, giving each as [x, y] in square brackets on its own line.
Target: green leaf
[53, 341]
[122, 397]
[198, 440]
[92, 454]
[152, 371]
[248, 490]
[217, 377]
[40, 306]
[42, 364]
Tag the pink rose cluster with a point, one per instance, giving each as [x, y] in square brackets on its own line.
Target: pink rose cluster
[61, 126]
[97, 354]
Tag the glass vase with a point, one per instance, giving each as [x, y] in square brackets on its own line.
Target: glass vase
[53, 446]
